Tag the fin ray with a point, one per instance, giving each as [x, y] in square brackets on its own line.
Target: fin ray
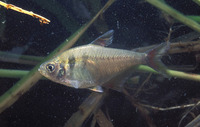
[154, 56]
[105, 39]
[96, 89]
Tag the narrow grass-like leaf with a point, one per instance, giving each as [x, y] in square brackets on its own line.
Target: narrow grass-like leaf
[175, 14]
[171, 73]
[21, 59]
[194, 17]
[12, 95]
[197, 2]
[141, 68]
[8, 73]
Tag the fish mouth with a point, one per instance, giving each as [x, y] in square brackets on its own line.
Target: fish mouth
[41, 69]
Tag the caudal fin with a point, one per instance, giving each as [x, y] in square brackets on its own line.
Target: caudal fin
[154, 57]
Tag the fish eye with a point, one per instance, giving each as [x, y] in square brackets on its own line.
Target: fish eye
[50, 68]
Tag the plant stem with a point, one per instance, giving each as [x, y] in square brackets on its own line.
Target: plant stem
[7, 73]
[141, 68]
[195, 18]
[197, 2]
[175, 14]
[22, 59]
[176, 47]
[89, 106]
[23, 85]
[171, 73]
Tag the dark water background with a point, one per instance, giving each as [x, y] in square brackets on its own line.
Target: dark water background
[136, 24]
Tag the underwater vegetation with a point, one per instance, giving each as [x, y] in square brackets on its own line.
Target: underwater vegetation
[149, 98]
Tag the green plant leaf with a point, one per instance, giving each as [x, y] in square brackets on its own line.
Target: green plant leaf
[24, 84]
[175, 14]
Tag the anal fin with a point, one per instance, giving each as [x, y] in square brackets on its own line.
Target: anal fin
[96, 89]
[117, 82]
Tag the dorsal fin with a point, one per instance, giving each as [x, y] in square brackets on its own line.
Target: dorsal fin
[105, 39]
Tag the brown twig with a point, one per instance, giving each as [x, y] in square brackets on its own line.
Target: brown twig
[143, 110]
[171, 108]
[194, 123]
[178, 47]
[141, 86]
[102, 119]
[89, 106]
[42, 19]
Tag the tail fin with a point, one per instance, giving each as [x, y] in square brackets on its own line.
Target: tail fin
[154, 56]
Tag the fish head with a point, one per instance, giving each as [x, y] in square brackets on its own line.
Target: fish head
[65, 72]
[58, 71]
[53, 70]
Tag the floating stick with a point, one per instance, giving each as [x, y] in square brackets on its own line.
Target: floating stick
[42, 19]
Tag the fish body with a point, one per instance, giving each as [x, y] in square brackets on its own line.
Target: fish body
[93, 66]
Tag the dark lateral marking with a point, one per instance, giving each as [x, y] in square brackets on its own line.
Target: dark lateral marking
[71, 61]
[61, 72]
[84, 60]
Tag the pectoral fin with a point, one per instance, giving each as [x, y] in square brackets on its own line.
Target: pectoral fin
[105, 39]
[97, 89]
[72, 83]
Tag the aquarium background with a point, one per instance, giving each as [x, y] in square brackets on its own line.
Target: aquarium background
[136, 24]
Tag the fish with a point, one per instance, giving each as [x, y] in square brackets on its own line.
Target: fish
[95, 66]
